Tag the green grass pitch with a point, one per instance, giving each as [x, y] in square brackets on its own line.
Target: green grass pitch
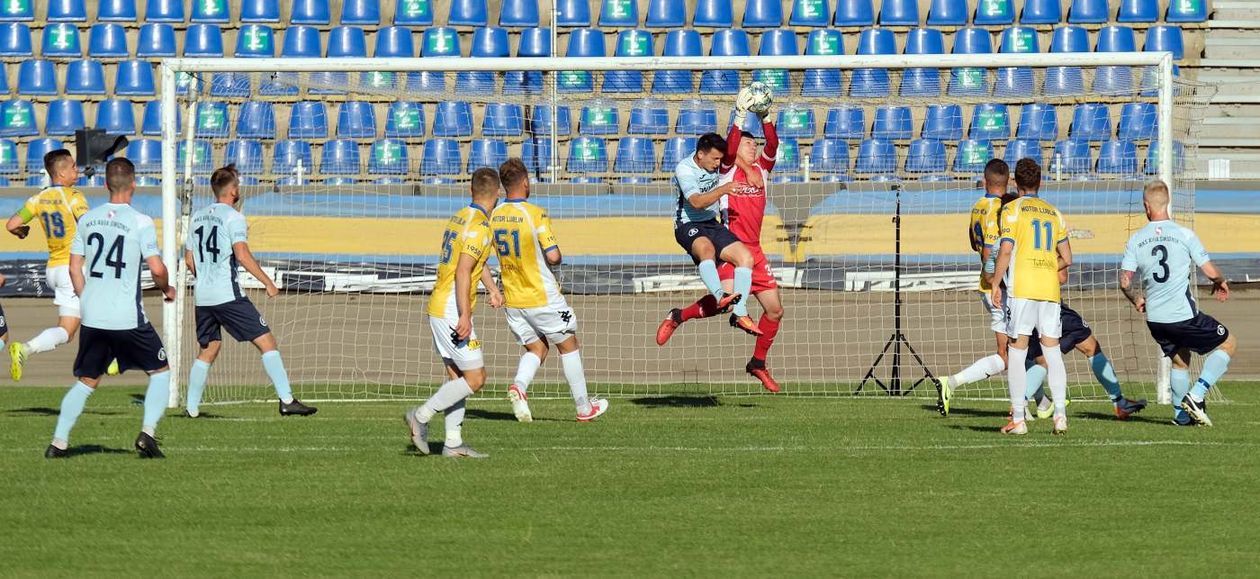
[735, 486]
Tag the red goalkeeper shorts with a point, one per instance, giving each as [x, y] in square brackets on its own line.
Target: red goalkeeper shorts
[762, 278]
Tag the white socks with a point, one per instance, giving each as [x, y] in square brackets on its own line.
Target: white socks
[454, 425]
[1017, 380]
[1056, 375]
[983, 368]
[526, 370]
[576, 377]
[47, 340]
[450, 394]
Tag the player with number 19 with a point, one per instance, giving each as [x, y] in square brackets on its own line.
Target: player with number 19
[216, 243]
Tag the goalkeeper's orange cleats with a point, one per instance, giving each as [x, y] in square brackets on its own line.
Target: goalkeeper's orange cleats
[760, 372]
[1016, 428]
[726, 301]
[672, 320]
[746, 324]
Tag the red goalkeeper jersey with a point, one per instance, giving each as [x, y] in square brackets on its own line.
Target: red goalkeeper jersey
[745, 206]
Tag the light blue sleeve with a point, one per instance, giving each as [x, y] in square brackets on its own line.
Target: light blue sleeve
[1129, 263]
[76, 245]
[237, 230]
[1198, 253]
[688, 181]
[148, 239]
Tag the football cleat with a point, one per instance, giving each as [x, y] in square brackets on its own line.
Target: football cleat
[54, 452]
[17, 359]
[1126, 408]
[113, 369]
[1060, 424]
[598, 407]
[192, 413]
[725, 302]
[147, 446]
[462, 451]
[1183, 419]
[944, 394]
[1196, 410]
[1015, 428]
[1045, 410]
[296, 408]
[672, 320]
[746, 324]
[520, 404]
[419, 431]
[759, 371]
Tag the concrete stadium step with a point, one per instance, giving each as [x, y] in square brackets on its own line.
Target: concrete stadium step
[1243, 163]
[1231, 44]
[1235, 10]
[1238, 81]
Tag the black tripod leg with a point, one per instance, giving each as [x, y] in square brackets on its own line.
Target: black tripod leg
[870, 373]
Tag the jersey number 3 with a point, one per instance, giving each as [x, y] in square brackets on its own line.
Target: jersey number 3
[1160, 252]
[113, 256]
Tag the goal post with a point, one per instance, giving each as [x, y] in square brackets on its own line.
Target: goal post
[350, 318]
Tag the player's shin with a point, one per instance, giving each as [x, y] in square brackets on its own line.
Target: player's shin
[197, 377]
[981, 369]
[279, 376]
[454, 424]
[1106, 375]
[1179, 383]
[1017, 379]
[709, 275]
[1035, 375]
[1214, 366]
[1056, 376]
[71, 407]
[525, 371]
[47, 340]
[450, 394]
[743, 287]
[576, 376]
[155, 399]
[769, 329]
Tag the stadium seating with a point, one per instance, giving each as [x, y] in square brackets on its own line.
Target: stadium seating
[441, 157]
[61, 41]
[1014, 81]
[212, 120]
[947, 13]
[583, 43]
[134, 78]
[17, 11]
[9, 158]
[256, 120]
[146, 154]
[363, 13]
[308, 120]
[994, 13]
[752, 125]
[545, 122]
[17, 119]
[822, 82]
[452, 119]
[290, 155]
[413, 13]
[116, 117]
[892, 123]
[1186, 11]
[156, 41]
[1022, 149]
[635, 155]
[587, 155]
[796, 122]
[599, 119]
[1152, 157]
[725, 43]
[1138, 11]
[201, 155]
[211, 12]
[387, 157]
[709, 13]
[1137, 122]
[830, 156]
[534, 42]
[697, 118]
[845, 122]
[777, 42]
[255, 41]
[677, 43]
[1072, 157]
[339, 157]
[1067, 80]
[486, 153]
[942, 122]
[1165, 38]
[762, 14]
[1090, 122]
[64, 117]
[789, 158]
[85, 77]
[972, 156]
[854, 13]
[151, 125]
[618, 14]
[990, 122]
[116, 11]
[923, 82]
[1041, 12]
[231, 85]
[573, 13]
[203, 41]
[813, 13]
[246, 155]
[1088, 12]
[649, 118]
[503, 120]
[66, 11]
[629, 43]
[487, 42]
[314, 13]
[405, 120]
[260, 12]
[35, 151]
[872, 82]
[1114, 79]
[877, 157]
[970, 81]
[37, 78]
[1117, 157]
[926, 156]
[15, 40]
[899, 13]
[107, 41]
[537, 154]
[1038, 122]
[676, 149]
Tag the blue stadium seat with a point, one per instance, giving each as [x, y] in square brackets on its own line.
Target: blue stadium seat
[394, 41]
[289, 155]
[972, 156]
[134, 78]
[152, 123]
[1186, 11]
[599, 119]
[17, 11]
[441, 157]
[487, 42]
[116, 11]
[260, 11]
[1138, 11]
[308, 120]
[1089, 12]
[724, 43]
[921, 82]
[316, 12]
[201, 155]
[677, 149]
[1070, 39]
[64, 117]
[1152, 158]
[926, 156]
[246, 155]
[1138, 122]
[629, 43]
[561, 122]
[822, 82]
[892, 123]
[943, 123]
[15, 40]
[854, 13]
[362, 13]
[649, 117]
[1116, 39]
[876, 156]
[534, 42]
[1114, 79]
[452, 119]
[212, 120]
[164, 11]
[486, 153]
[1090, 122]
[405, 120]
[211, 11]
[156, 41]
[356, 120]
[519, 13]
[116, 117]
[814, 13]
[203, 40]
[788, 159]
[1020, 149]
[635, 155]
[339, 157]
[1019, 40]
[37, 78]
[347, 42]
[66, 11]
[255, 41]
[1167, 39]
[1067, 80]
[899, 13]
[872, 82]
[1016, 81]
[678, 43]
[796, 122]
[1073, 157]
[777, 42]
[752, 125]
[61, 41]
[9, 158]
[763, 14]
[990, 122]
[619, 14]
[845, 122]
[994, 13]
[387, 157]
[1041, 12]
[146, 154]
[4, 80]
[970, 81]
[830, 156]
[231, 85]
[696, 118]
[537, 154]
[85, 77]
[1118, 157]
[503, 120]
[469, 13]
[302, 42]
[709, 14]
[35, 151]
[583, 43]
[947, 13]
[1038, 122]
[107, 41]
[573, 13]
[256, 120]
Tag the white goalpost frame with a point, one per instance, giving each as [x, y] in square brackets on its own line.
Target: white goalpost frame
[170, 68]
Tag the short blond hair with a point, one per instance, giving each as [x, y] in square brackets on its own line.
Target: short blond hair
[1156, 194]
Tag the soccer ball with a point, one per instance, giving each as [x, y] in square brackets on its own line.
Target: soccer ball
[762, 98]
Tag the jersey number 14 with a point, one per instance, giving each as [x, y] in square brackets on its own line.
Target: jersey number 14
[207, 244]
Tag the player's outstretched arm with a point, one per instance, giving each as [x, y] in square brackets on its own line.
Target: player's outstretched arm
[17, 224]
[1220, 286]
[771, 150]
[704, 200]
[487, 281]
[241, 250]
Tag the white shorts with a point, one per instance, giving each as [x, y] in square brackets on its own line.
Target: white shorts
[465, 355]
[1029, 315]
[997, 314]
[554, 324]
[58, 278]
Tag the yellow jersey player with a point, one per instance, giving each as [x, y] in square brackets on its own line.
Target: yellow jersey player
[983, 233]
[57, 209]
[1034, 250]
[537, 312]
[462, 261]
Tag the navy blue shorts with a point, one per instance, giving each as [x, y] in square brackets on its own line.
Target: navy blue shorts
[686, 234]
[4, 324]
[138, 349]
[1075, 331]
[1200, 334]
[239, 317]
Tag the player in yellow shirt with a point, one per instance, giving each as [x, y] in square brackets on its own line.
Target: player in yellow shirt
[983, 233]
[462, 261]
[1034, 252]
[57, 209]
[537, 312]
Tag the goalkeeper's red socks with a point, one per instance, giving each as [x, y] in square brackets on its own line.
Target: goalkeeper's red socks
[769, 329]
[704, 307]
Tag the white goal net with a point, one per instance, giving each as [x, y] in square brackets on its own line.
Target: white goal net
[352, 167]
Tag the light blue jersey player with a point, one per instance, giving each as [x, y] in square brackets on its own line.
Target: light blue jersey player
[216, 243]
[112, 243]
[1163, 256]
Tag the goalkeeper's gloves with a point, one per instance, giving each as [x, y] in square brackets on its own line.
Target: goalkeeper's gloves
[742, 101]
